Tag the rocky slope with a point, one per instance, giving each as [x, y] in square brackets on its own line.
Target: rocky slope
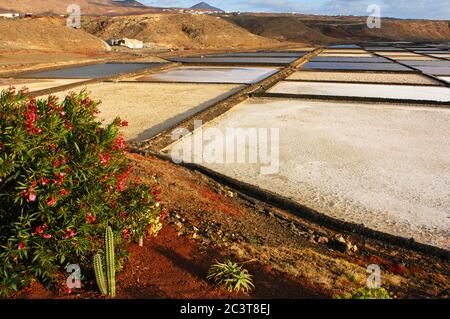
[46, 34]
[176, 31]
[340, 29]
[93, 7]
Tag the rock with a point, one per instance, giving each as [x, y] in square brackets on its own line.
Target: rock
[338, 245]
[340, 239]
[323, 240]
[303, 233]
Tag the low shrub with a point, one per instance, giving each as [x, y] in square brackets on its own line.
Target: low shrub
[368, 293]
[63, 179]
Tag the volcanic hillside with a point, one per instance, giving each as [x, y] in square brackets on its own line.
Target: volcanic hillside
[46, 34]
[176, 31]
[323, 29]
[90, 7]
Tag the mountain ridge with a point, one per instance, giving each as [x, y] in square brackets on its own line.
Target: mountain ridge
[88, 7]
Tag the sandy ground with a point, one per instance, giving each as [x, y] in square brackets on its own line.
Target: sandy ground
[236, 60]
[263, 54]
[35, 85]
[355, 66]
[447, 56]
[403, 53]
[361, 55]
[152, 107]
[20, 58]
[344, 51]
[350, 59]
[389, 49]
[299, 49]
[211, 75]
[94, 71]
[423, 93]
[385, 166]
[392, 78]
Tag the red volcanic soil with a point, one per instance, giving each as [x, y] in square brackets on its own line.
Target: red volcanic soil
[170, 266]
[208, 222]
[175, 267]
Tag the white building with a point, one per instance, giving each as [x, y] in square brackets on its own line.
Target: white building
[9, 15]
[125, 42]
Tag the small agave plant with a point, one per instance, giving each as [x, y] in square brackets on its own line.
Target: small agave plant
[231, 276]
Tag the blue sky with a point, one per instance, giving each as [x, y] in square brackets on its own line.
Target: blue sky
[427, 9]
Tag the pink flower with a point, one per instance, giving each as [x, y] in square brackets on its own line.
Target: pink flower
[21, 246]
[90, 218]
[126, 233]
[124, 123]
[47, 236]
[45, 181]
[40, 229]
[104, 159]
[123, 215]
[32, 198]
[119, 144]
[59, 179]
[69, 233]
[69, 126]
[63, 192]
[52, 201]
[104, 179]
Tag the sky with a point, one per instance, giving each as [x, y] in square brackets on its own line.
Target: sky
[417, 9]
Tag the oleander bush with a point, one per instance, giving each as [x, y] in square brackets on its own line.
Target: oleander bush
[64, 178]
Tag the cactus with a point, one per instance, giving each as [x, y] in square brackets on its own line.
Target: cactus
[99, 274]
[110, 262]
[110, 288]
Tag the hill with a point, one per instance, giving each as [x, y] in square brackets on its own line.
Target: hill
[206, 7]
[46, 34]
[330, 29]
[90, 7]
[282, 28]
[176, 31]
